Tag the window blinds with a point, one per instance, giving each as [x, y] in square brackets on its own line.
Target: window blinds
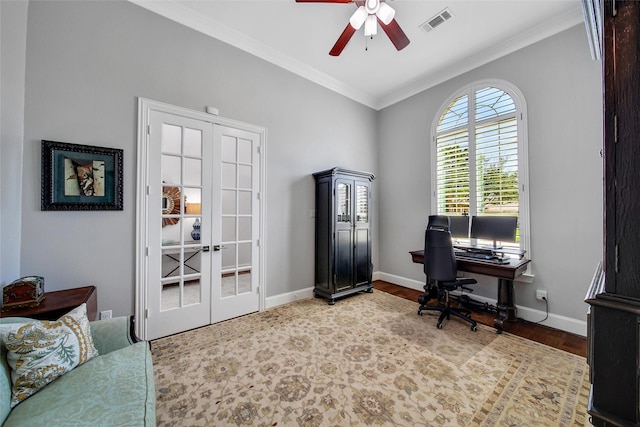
[481, 154]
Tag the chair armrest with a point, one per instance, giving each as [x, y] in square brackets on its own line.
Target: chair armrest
[112, 334]
[465, 281]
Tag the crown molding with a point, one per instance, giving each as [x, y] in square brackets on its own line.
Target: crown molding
[181, 14]
[522, 40]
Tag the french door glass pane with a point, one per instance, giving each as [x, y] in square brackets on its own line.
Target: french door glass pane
[228, 149]
[228, 202]
[193, 201]
[228, 284]
[192, 172]
[171, 262]
[171, 295]
[228, 229]
[228, 175]
[244, 228]
[244, 281]
[171, 169]
[229, 260]
[171, 139]
[244, 254]
[244, 151]
[192, 142]
[244, 176]
[244, 202]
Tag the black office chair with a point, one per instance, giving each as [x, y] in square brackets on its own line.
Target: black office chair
[441, 269]
[439, 222]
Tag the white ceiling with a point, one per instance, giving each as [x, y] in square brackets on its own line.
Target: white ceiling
[298, 37]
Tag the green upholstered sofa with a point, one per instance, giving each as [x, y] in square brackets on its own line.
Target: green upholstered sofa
[113, 389]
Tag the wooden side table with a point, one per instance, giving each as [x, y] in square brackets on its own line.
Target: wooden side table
[58, 303]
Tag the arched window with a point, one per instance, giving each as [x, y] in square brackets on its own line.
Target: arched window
[479, 156]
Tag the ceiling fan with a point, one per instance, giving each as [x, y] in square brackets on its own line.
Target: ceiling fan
[370, 13]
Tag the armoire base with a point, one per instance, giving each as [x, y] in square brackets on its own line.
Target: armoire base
[333, 296]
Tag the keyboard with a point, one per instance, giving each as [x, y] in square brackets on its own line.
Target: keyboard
[481, 257]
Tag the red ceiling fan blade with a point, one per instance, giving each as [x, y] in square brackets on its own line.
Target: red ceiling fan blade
[324, 1]
[395, 33]
[344, 38]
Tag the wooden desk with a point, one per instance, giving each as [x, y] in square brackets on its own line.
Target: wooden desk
[58, 303]
[506, 273]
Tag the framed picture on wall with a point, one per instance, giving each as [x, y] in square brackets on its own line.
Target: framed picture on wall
[80, 177]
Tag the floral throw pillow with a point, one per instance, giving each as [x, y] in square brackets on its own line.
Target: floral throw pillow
[38, 352]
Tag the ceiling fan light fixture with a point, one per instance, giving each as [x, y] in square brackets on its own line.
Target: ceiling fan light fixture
[386, 13]
[371, 26]
[358, 17]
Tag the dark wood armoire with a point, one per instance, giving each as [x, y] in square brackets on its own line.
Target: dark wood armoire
[614, 295]
[343, 233]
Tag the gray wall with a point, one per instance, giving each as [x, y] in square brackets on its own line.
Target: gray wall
[87, 62]
[562, 86]
[13, 30]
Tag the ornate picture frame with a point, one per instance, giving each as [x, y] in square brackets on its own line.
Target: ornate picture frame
[80, 177]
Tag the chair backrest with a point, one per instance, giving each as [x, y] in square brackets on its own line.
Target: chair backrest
[439, 222]
[439, 259]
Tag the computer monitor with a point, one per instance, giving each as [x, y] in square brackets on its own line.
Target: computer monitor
[459, 226]
[495, 228]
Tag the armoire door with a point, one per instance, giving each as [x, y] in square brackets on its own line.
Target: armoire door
[361, 234]
[344, 235]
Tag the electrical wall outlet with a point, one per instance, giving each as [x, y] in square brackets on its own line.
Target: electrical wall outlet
[541, 295]
[105, 314]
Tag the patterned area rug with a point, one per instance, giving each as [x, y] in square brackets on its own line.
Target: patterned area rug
[368, 360]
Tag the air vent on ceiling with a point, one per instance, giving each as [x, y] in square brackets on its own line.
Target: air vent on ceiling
[441, 17]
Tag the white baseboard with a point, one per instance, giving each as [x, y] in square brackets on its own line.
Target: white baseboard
[281, 299]
[288, 297]
[398, 280]
[556, 321]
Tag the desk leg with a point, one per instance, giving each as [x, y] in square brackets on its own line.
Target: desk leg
[506, 304]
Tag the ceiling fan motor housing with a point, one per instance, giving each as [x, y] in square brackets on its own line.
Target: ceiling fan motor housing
[372, 6]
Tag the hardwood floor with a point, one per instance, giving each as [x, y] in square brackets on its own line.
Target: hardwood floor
[543, 334]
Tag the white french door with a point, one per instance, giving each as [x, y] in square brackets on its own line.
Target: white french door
[239, 214]
[179, 198]
[199, 225]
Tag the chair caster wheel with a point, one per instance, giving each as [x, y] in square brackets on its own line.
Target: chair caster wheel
[474, 328]
[419, 312]
[439, 326]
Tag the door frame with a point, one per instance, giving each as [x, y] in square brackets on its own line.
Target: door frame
[145, 107]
